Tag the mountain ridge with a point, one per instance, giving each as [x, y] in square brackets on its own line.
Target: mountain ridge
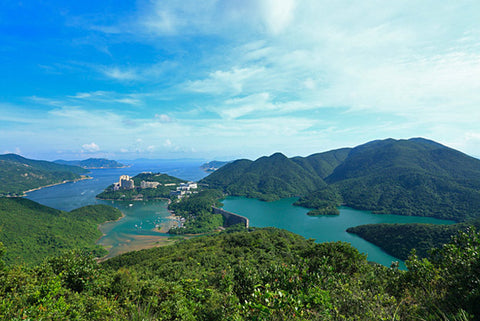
[413, 176]
[19, 174]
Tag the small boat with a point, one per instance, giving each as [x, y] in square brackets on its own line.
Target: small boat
[130, 204]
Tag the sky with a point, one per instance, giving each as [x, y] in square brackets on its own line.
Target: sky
[227, 79]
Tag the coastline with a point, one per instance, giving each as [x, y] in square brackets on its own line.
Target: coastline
[83, 177]
[107, 248]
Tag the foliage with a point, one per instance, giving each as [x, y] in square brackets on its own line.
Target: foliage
[19, 174]
[406, 177]
[324, 211]
[447, 283]
[255, 274]
[325, 201]
[31, 231]
[197, 211]
[267, 178]
[410, 177]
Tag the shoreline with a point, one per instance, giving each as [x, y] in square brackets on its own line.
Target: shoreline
[107, 248]
[84, 177]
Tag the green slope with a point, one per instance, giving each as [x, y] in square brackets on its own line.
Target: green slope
[400, 239]
[323, 164]
[18, 174]
[31, 231]
[407, 177]
[256, 274]
[410, 177]
[267, 178]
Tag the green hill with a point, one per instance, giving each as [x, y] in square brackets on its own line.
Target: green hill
[267, 178]
[31, 231]
[407, 177]
[410, 177]
[19, 174]
[92, 163]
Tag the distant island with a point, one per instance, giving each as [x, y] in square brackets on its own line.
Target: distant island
[212, 166]
[19, 174]
[92, 163]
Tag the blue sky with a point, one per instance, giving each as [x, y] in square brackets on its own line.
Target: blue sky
[230, 79]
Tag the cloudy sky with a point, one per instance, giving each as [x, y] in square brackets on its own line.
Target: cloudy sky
[226, 79]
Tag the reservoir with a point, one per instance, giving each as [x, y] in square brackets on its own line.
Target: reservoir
[283, 214]
[139, 227]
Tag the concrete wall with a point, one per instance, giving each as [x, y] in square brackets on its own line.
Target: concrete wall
[231, 218]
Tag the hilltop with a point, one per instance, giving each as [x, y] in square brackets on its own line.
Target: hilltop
[19, 174]
[407, 177]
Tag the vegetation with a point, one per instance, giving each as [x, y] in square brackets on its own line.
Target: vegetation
[167, 184]
[19, 174]
[92, 163]
[32, 231]
[197, 211]
[400, 239]
[324, 201]
[407, 177]
[267, 178]
[324, 211]
[410, 177]
[262, 274]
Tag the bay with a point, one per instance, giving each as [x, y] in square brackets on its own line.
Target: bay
[138, 228]
[283, 214]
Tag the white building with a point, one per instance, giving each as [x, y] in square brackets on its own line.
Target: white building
[125, 182]
[144, 184]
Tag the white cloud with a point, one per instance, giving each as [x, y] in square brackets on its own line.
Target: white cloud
[278, 14]
[119, 74]
[92, 147]
[163, 118]
[167, 143]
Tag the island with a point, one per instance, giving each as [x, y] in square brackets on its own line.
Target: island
[92, 163]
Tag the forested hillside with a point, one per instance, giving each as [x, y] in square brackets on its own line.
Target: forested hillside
[399, 239]
[267, 178]
[410, 177]
[31, 231]
[19, 174]
[406, 177]
[256, 274]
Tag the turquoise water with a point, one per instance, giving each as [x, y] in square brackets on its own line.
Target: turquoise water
[137, 229]
[283, 214]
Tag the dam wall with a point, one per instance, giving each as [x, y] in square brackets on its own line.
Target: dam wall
[231, 218]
